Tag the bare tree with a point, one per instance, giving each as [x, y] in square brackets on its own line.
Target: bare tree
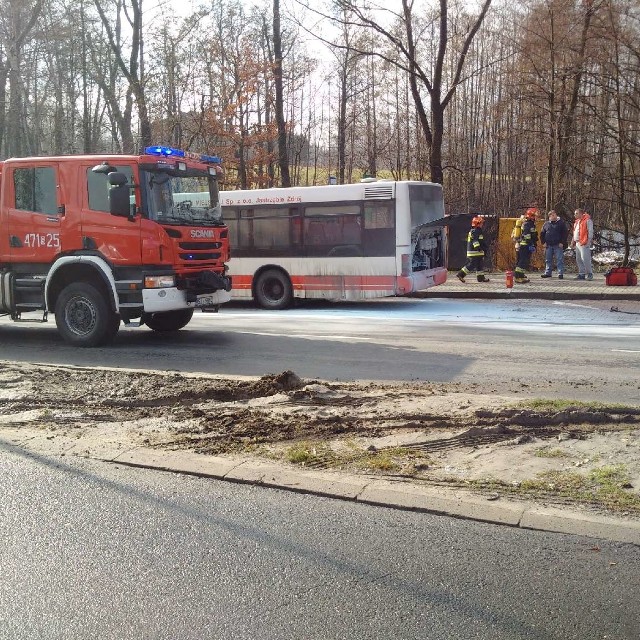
[283, 160]
[132, 69]
[424, 74]
[19, 19]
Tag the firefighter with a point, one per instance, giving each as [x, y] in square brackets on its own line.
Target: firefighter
[526, 244]
[476, 247]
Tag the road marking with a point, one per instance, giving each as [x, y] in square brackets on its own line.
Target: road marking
[302, 335]
[626, 350]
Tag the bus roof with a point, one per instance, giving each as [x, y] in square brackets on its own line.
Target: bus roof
[369, 190]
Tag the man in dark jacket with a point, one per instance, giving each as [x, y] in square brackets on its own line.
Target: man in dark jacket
[476, 247]
[526, 243]
[554, 238]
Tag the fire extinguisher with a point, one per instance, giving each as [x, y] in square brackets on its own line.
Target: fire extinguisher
[508, 279]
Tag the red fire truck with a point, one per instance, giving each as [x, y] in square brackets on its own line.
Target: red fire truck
[100, 240]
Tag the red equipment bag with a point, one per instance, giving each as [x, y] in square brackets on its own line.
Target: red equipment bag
[621, 277]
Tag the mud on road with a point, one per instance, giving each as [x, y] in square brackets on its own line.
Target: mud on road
[445, 434]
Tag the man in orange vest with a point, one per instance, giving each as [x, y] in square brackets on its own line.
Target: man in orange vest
[581, 242]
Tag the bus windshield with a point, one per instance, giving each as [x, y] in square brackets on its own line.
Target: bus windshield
[182, 198]
[426, 203]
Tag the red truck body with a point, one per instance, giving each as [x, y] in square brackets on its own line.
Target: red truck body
[104, 239]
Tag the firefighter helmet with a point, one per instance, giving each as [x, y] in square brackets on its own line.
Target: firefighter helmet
[531, 213]
[477, 221]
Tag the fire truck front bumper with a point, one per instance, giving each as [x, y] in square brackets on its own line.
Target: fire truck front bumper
[171, 299]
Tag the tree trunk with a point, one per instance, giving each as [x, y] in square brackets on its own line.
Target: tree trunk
[283, 158]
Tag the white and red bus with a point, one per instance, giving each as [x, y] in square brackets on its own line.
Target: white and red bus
[339, 242]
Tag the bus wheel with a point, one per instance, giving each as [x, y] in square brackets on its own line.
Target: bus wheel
[168, 321]
[273, 289]
[83, 316]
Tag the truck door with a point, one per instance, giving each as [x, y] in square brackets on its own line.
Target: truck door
[34, 214]
[114, 237]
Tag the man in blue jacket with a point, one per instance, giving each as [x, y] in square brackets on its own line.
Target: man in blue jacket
[554, 238]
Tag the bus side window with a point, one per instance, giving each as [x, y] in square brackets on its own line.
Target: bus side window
[296, 228]
[231, 219]
[379, 236]
[271, 229]
[245, 229]
[332, 229]
[351, 230]
[314, 233]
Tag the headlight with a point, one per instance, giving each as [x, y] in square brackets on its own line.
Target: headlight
[159, 282]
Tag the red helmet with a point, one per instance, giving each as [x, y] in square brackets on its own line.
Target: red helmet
[477, 221]
[531, 213]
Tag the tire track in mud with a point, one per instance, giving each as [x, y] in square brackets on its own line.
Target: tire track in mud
[215, 415]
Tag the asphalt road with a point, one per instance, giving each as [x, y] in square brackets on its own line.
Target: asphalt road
[581, 350]
[90, 550]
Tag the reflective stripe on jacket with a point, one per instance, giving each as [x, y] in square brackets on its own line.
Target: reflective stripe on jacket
[529, 236]
[475, 243]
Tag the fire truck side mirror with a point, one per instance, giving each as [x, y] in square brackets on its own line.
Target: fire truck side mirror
[119, 191]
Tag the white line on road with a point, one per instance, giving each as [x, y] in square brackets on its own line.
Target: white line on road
[625, 351]
[303, 335]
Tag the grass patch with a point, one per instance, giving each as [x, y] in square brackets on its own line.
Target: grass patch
[378, 461]
[303, 453]
[544, 404]
[548, 452]
[607, 486]
[395, 459]
[352, 455]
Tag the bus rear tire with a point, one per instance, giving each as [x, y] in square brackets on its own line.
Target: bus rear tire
[83, 316]
[273, 290]
[168, 321]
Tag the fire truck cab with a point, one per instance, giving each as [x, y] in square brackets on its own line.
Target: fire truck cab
[100, 240]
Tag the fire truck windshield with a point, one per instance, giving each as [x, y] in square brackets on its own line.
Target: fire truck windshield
[181, 198]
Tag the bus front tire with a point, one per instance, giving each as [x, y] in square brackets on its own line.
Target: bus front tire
[83, 316]
[168, 321]
[273, 290]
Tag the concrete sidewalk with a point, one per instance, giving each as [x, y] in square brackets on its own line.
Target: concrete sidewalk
[539, 288]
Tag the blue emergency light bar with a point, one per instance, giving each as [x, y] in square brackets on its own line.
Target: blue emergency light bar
[164, 151]
[170, 152]
[210, 159]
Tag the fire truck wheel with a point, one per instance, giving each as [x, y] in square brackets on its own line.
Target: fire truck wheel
[83, 316]
[168, 320]
[273, 289]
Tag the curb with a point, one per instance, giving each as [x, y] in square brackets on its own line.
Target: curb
[537, 289]
[385, 493]
[531, 295]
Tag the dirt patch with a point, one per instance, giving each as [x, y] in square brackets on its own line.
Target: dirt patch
[558, 452]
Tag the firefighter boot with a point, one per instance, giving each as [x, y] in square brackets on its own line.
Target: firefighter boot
[460, 275]
[522, 279]
[483, 278]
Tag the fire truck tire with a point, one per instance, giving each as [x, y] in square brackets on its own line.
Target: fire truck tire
[168, 320]
[83, 316]
[273, 290]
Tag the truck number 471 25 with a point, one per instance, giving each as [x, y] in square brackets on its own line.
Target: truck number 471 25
[42, 240]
